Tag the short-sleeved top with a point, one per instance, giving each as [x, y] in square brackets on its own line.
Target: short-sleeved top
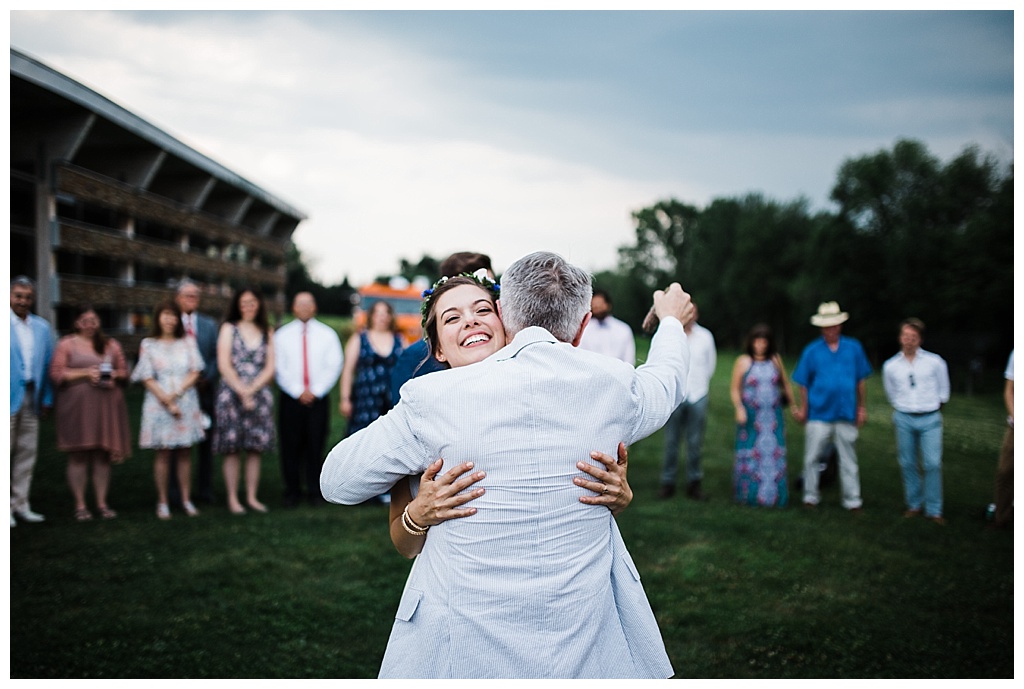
[831, 379]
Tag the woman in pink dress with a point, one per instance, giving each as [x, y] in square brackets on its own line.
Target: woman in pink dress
[88, 369]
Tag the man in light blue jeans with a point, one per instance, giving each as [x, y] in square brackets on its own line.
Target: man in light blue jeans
[917, 385]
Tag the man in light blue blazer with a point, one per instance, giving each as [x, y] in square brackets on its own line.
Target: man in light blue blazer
[536, 584]
[31, 393]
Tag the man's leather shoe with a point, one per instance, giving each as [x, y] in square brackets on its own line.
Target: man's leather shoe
[666, 492]
[694, 492]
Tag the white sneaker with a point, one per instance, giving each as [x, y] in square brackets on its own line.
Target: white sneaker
[29, 516]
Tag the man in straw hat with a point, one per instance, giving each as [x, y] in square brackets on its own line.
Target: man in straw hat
[830, 378]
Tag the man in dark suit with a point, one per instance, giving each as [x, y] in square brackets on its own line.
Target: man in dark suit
[204, 330]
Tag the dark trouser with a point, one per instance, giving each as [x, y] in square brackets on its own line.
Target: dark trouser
[303, 432]
[202, 489]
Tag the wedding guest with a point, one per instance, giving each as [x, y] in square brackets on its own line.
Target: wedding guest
[88, 370]
[370, 356]
[759, 391]
[203, 330]
[306, 368]
[244, 405]
[31, 393]
[172, 420]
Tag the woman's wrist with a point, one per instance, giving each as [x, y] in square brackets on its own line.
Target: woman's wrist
[410, 526]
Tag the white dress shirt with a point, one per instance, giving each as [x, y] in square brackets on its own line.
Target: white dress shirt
[703, 359]
[610, 337]
[918, 386]
[324, 358]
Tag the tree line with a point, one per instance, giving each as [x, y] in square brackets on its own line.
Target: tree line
[912, 236]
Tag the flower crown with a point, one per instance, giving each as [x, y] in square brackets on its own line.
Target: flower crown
[480, 277]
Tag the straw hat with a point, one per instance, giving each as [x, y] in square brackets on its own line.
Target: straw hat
[828, 315]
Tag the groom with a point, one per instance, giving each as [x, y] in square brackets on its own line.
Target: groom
[536, 584]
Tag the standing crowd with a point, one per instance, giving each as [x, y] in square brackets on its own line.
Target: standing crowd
[207, 387]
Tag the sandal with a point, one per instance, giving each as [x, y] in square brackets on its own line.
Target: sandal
[107, 513]
[163, 511]
[83, 515]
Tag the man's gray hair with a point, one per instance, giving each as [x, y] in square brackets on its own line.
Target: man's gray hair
[542, 289]
[24, 281]
[185, 283]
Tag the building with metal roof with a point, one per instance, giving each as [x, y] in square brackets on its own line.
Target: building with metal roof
[109, 210]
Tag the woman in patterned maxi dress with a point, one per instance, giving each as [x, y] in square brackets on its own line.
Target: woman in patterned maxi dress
[759, 392]
[244, 403]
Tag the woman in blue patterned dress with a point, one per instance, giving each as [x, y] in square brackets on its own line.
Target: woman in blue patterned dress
[759, 391]
[366, 376]
[172, 422]
[244, 403]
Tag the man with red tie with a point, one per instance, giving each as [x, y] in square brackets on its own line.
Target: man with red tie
[308, 358]
[204, 329]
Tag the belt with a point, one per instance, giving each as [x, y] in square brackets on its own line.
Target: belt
[30, 385]
[919, 413]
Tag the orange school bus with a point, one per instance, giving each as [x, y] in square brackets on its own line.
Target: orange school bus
[405, 299]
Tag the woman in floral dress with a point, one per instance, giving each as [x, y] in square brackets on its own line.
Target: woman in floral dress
[370, 357]
[172, 422]
[244, 403]
[759, 391]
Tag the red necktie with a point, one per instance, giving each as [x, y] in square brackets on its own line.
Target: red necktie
[188, 326]
[305, 360]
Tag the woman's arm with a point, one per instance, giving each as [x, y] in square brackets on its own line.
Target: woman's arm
[436, 502]
[167, 398]
[739, 369]
[610, 483]
[265, 376]
[225, 366]
[348, 375]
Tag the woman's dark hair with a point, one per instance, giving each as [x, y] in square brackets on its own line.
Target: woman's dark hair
[167, 305]
[234, 313]
[99, 340]
[393, 327]
[430, 326]
[760, 330]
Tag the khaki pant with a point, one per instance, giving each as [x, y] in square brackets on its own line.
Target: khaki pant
[843, 434]
[24, 448]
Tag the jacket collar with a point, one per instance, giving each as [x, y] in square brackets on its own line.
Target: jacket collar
[523, 339]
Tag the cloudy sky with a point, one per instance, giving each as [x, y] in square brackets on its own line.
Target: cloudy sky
[408, 133]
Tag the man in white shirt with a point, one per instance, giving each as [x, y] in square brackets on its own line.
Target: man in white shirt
[917, 385]
[307, 365]
[691, 414]
[606, 334]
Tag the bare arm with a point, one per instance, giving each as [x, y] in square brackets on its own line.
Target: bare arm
[266, 376]
[348, 375]
[1008, 399]
[862, 397]
[739, 369]
[786, 387]
[225, 366]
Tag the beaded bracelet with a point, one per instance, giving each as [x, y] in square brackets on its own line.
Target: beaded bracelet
[412, 527]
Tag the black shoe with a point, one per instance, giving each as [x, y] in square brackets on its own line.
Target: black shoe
[291, 501]
[666, 492]
[694, 492]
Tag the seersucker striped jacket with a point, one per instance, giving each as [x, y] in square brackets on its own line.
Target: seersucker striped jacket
[536, 584]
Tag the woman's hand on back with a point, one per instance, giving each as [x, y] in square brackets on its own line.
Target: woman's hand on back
[439, 497]
[610, 483]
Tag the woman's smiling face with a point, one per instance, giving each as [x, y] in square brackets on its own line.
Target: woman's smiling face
[468, 327]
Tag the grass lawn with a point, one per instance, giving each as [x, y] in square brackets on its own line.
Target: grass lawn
[739, 592]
